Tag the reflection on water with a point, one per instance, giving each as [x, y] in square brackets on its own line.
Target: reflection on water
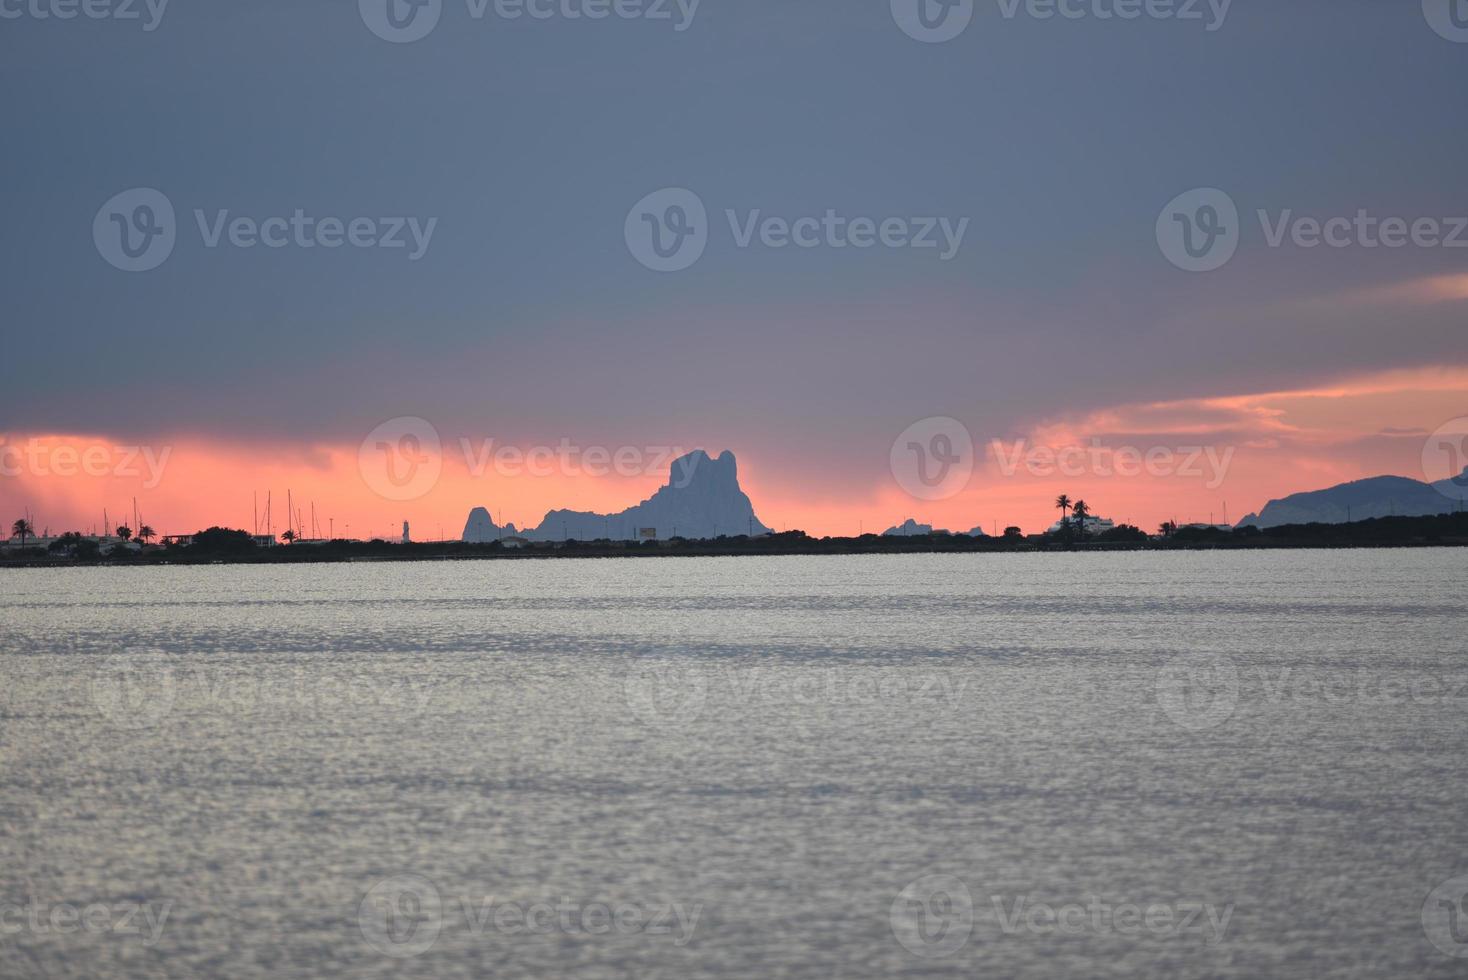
[1218, 764]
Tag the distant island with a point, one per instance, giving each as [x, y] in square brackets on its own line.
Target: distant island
[701, 499]
[1378, 496]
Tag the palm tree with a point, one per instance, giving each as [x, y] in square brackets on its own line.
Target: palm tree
[1080, 512]
[288, 535]
[22, 529]
[124, 532]
[1167, 528]
[145, 533]
[1063, 502]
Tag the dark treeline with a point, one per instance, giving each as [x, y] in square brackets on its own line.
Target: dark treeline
[226, 545]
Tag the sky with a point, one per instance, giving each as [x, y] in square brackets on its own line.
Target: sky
[257, 249]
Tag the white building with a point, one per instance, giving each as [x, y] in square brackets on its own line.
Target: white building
[105, 542]
[1094, 525]
[31, 541]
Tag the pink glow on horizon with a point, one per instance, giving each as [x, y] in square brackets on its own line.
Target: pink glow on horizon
[1276, 443]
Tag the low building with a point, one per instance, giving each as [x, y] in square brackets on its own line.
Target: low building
[1094, 525]
[106, 543]
[31, 541]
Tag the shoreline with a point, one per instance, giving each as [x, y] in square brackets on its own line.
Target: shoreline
[1443, 531]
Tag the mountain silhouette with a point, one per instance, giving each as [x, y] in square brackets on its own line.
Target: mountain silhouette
[1377, 496]
[911, 527]
[701, 499]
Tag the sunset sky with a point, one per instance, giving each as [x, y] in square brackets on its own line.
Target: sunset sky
[527, 319]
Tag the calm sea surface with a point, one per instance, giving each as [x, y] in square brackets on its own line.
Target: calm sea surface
[1133, 765]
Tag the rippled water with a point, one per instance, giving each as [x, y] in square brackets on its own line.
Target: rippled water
[1207, 764]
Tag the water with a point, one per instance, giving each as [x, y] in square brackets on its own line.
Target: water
[1209, 764]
